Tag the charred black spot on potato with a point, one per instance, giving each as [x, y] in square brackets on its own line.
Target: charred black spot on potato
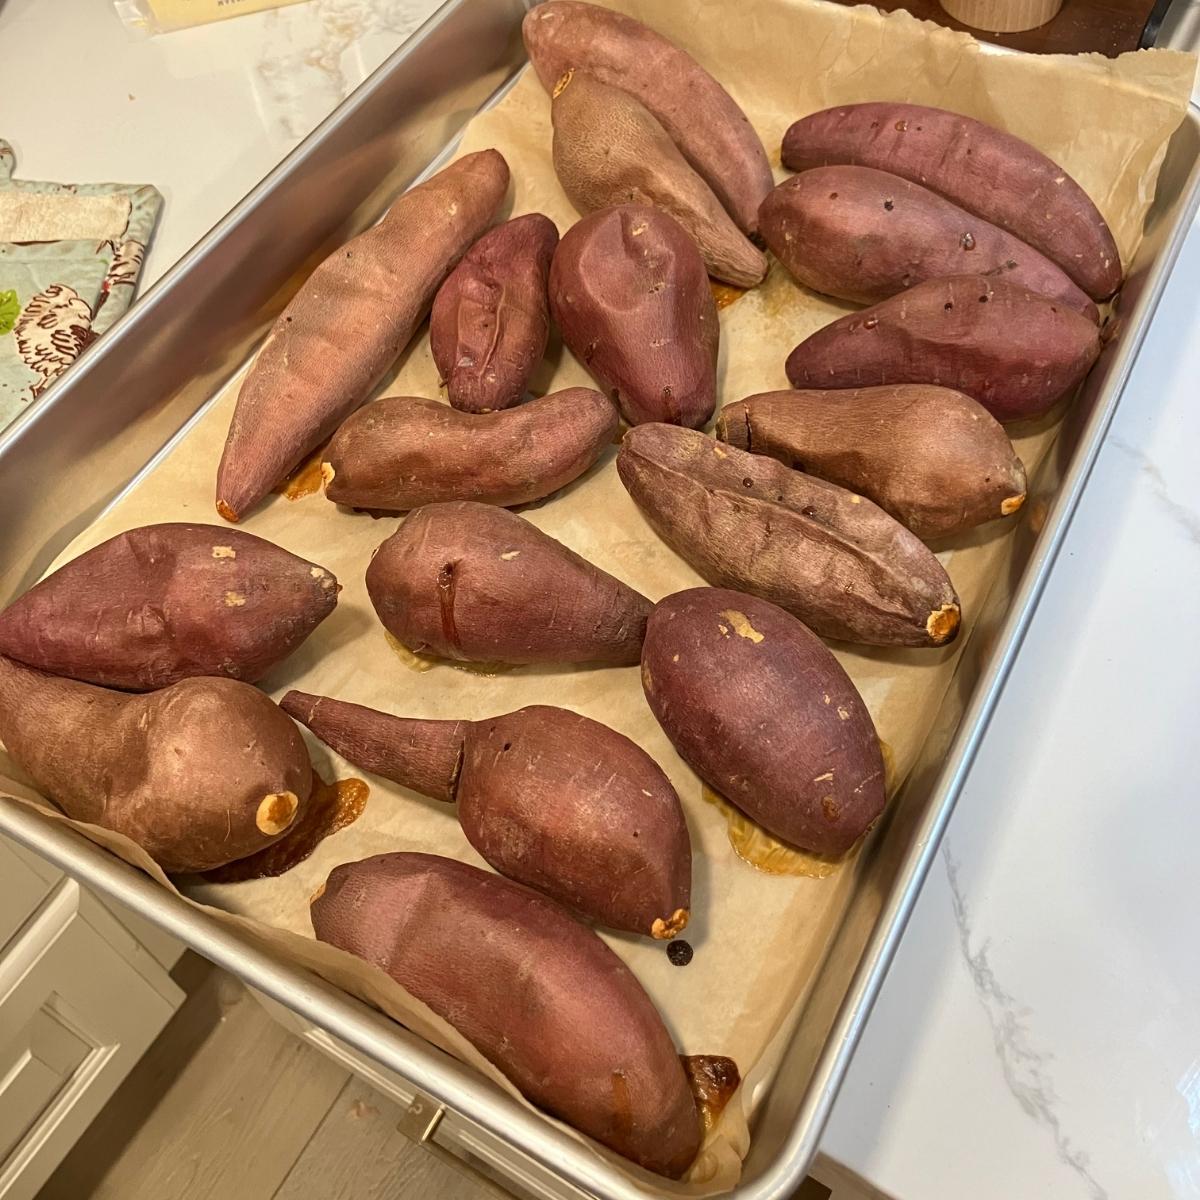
[889, 205]
[679, 953]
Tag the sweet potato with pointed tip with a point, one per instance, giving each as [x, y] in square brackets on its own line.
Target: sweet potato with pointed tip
[199, 774]
[402, 452]
[490, 321]
[536, 993]
[835, 560]
[930, 456]
[630, 294]
[480, 584]
[347, 324]
[549, 798]
[1014, 352]
[760, 709]
[162, 603]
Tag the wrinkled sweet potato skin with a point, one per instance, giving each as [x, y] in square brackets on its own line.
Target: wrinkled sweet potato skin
[764, 714]
[490, 321]
[538, 994]
[984, 170]
[929, 456]
[200, 774]
[402, 452]
[162, 603]
[630, 293]
[480, 584]
[1014, 352]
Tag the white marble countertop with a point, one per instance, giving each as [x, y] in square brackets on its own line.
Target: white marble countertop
[1039, 1034]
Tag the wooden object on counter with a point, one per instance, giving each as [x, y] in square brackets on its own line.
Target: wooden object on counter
[1002, 16]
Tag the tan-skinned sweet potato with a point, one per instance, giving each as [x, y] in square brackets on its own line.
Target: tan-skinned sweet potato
[1014, 352]
[986, 171]
[536, 993]
[835, 560]
[630, 294]
[765, 715]
[609, 149]
[347, 324]
[480, 584]
[490, 321]
[699, 115]
[162, 603]
[402, 452]
[199, 774]
[864, 235]
[549, 798]
[930, 456]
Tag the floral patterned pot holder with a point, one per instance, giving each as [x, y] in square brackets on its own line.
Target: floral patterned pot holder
[70, 256]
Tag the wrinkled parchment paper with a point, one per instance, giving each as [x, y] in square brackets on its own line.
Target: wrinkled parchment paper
[758, 938]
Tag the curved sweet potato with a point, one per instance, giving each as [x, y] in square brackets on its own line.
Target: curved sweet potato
[629, 291]
[490, 321]
[699, 115]
[765, 715]
[931, 457]
[1014, 352]
[984, 170]
[161, 603]
[476, 583]
[536, 993]
[835, 560]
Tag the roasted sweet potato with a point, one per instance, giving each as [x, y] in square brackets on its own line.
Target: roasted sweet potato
[699, 115]
[345, 326]
[984, 170]
[476, 583]
[864, 235]
[835, 560]
[1014, 352]
[550, 798]
[161, 603]
[765, 715]
[402, 452]
[199, 774]
[536, 993]
[629, 291]
[931, 457]
[490, 321]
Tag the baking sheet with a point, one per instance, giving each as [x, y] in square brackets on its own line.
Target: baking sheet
[758, 938]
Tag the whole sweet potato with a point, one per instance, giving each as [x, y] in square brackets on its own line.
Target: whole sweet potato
[629, 291]
[161, 603]
[490, 321]
[699, 115]
[931, 457]
[550, 798]
[984, 170]
[345, 326]
[476, 583]
[765, 715]
[1014, 352]
[864, 235]
[835, 560]
[536, 993]
[199, 774]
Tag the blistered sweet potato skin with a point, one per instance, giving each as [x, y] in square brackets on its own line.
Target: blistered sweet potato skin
[864, 235]
[538, 994]
[764, 714]
[988, 172]
[630, 293]
[1014, 352]
[476, 583]
[490, 320]
[200, 774]
[931, 457]
[699, 115]
[402, 452]
[162, 603]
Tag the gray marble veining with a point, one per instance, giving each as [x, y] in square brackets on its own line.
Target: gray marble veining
[1187, 518]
